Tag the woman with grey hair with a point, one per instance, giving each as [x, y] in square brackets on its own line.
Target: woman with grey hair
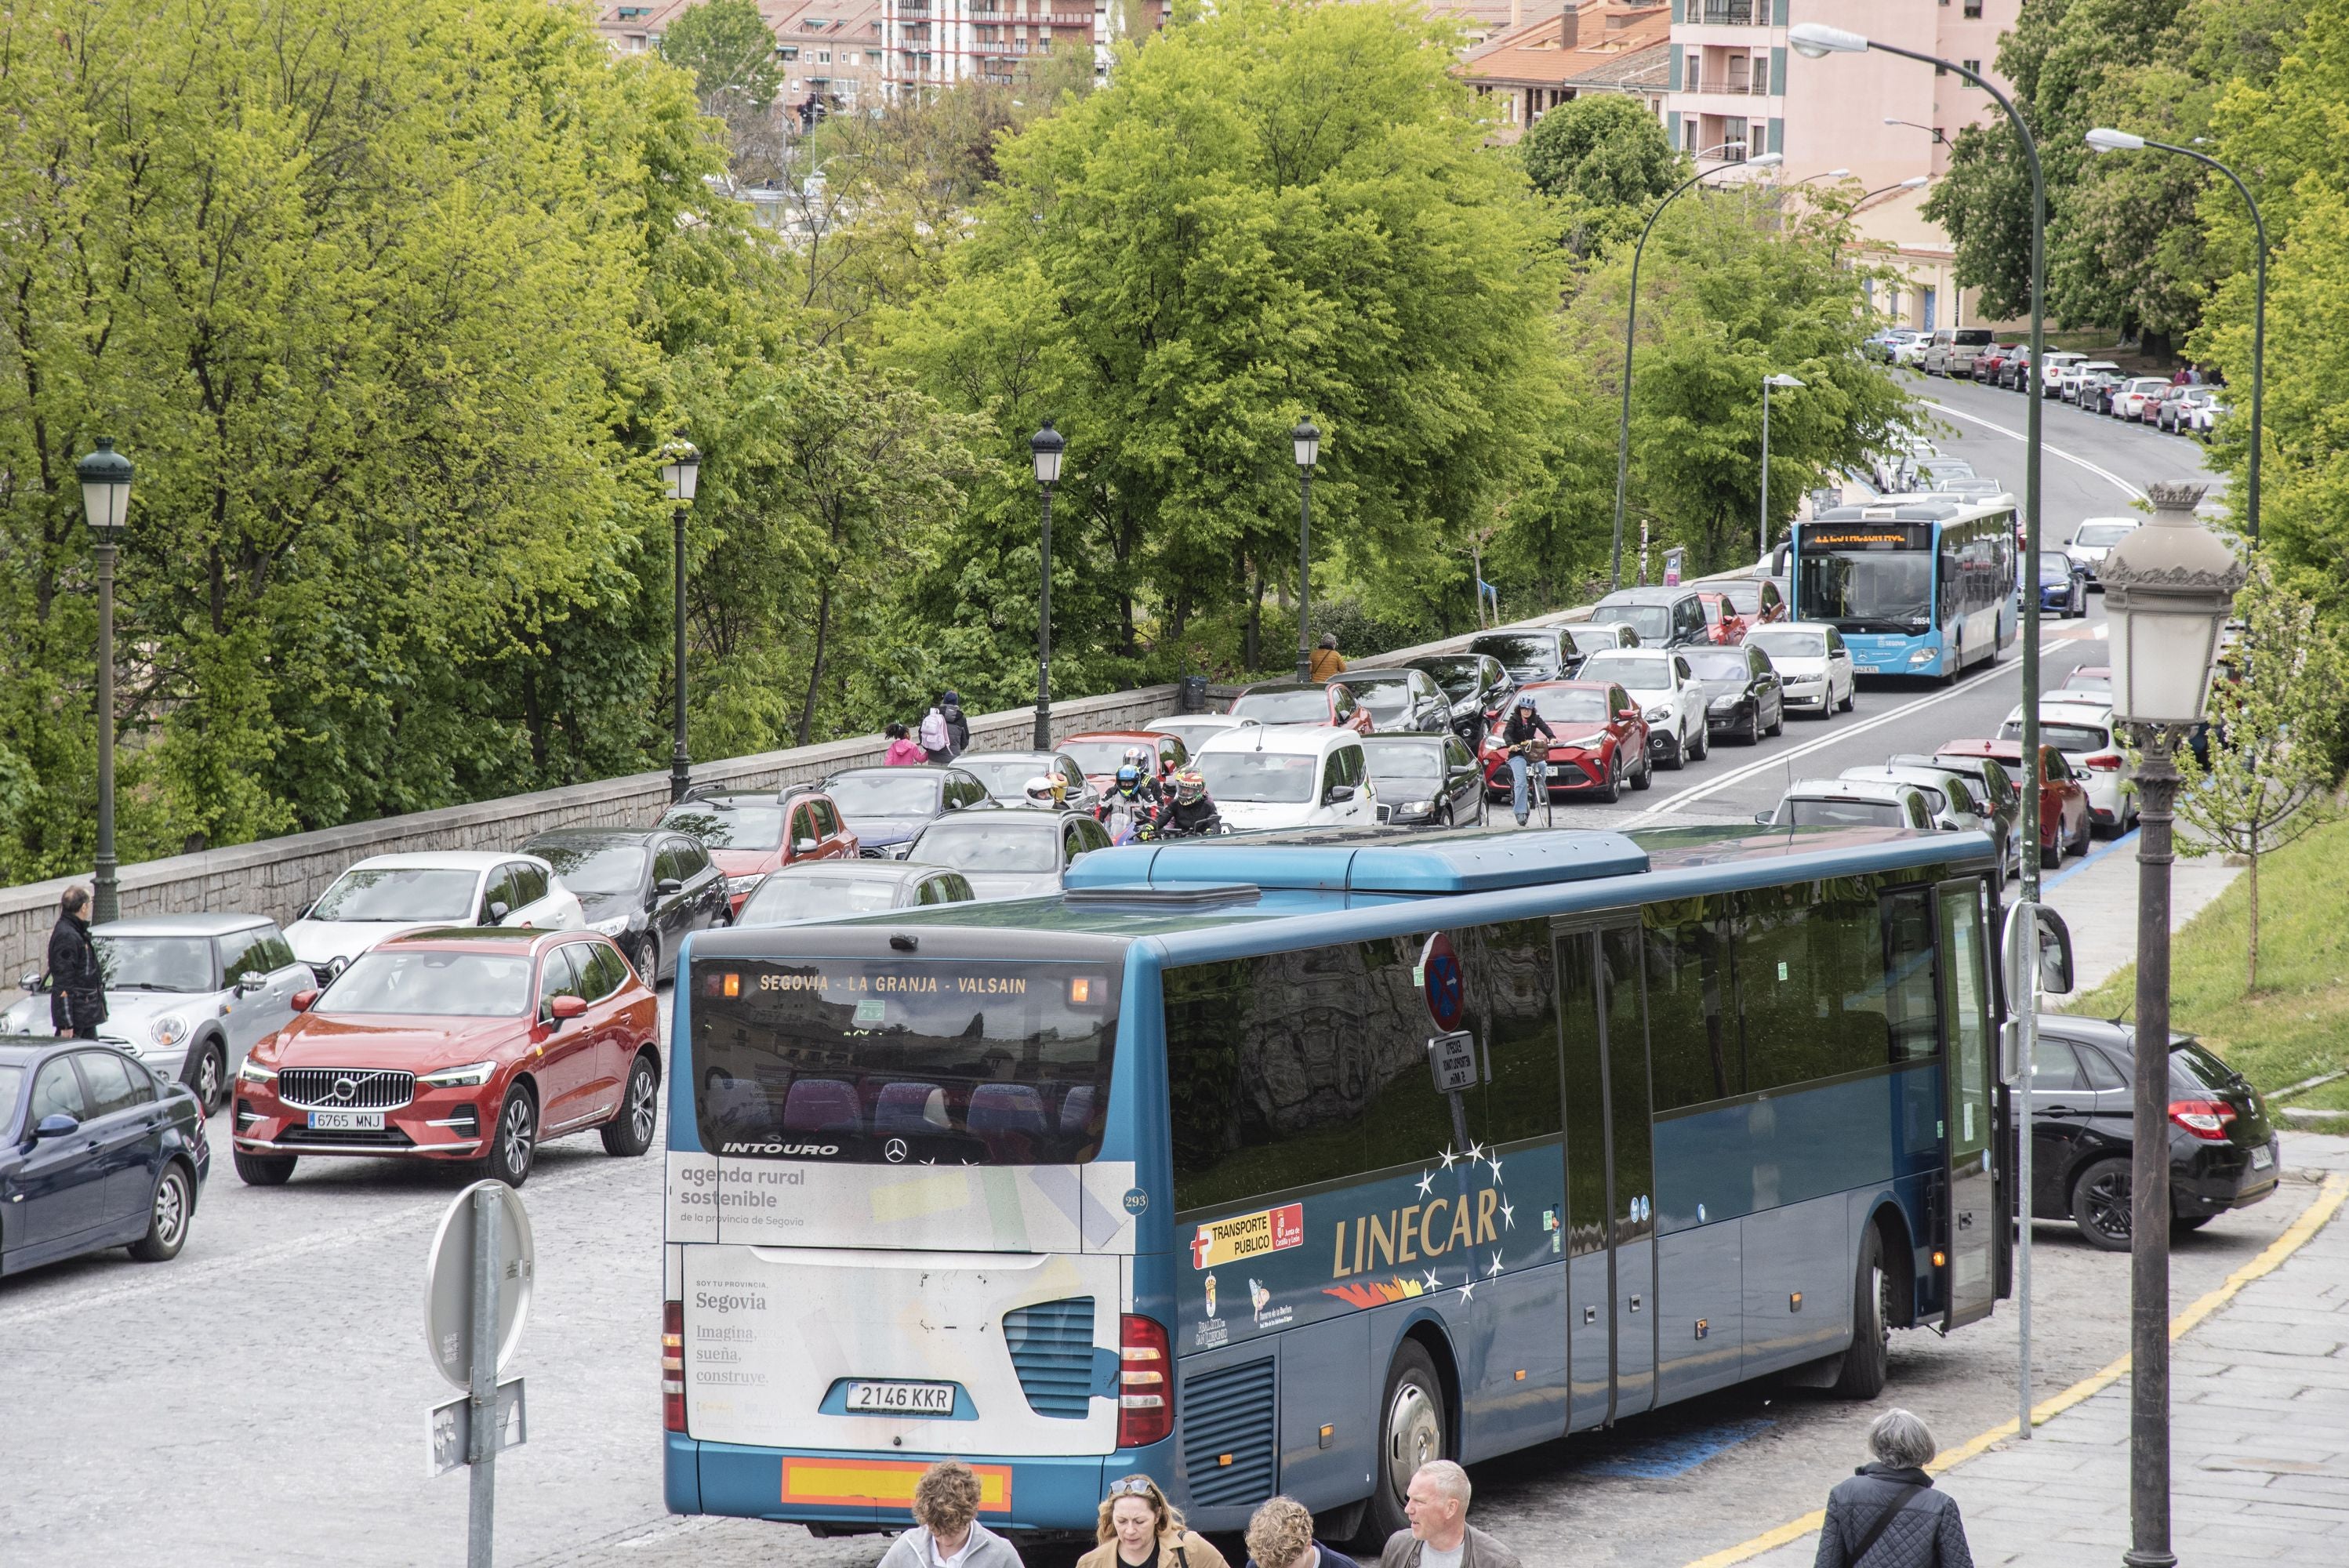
[1888, 1515]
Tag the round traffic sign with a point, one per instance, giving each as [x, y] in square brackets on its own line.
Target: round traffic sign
[1444, 981]
[449, 1281]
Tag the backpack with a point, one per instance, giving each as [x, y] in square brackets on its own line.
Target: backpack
[934, 731]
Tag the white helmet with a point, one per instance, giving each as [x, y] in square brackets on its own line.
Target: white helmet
[1043, 791]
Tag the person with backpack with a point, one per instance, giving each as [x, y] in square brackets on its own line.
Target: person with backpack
[1138, 1528]
[936, 735]
[958, 724]
[1888, 1515]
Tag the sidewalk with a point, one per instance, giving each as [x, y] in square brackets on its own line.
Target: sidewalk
[2259, 1429]
[2097, 896]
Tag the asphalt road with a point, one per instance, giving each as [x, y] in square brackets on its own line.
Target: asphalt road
[262, 1400]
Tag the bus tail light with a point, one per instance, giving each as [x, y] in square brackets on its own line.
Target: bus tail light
[1145, 1400]
[673, 1366]
[2205, 1119]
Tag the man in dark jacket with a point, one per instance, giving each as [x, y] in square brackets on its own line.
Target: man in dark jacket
[1888, 1515]
[77, 984]
[958, 724]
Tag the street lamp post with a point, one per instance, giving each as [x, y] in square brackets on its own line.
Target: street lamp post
[681, 473]
[1045, 448]
[2104, 140]
[1813, 40]
[1785, 383]
[1630, 330]
[1933, 130]
[2168, 589]
[1308, 441]
[105, 477]
[1914, 182]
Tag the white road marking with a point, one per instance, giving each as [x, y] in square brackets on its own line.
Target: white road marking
[2098, 470]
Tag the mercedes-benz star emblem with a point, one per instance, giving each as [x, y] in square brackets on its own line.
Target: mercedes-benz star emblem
[894, 1151]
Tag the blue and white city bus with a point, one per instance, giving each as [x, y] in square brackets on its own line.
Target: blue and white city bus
[1915, 587]
[1284, 1164]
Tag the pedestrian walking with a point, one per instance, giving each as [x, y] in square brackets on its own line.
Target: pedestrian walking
[903, 750]
[946, 1533]
[957, 724]
[1888, 1515]
[1138, 1528]
[937, 736]
[1327, 664]
[77, 984]
[1436, 1503]
[1281, 1535]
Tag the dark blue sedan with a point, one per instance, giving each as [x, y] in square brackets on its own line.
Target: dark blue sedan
[95, 1151]
[2062, 584]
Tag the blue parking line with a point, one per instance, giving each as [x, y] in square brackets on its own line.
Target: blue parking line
[1656, 1458]
[2085, 862]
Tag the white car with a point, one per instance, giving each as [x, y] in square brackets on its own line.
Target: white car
[1192, 730]
[1285, 776]
[2072, 378]
[384, 895]
[2094, 540]
[2129, 402]
[188, 994]
[2051, 368]
[1851, 803]
[1670, 698]
[1815, 668]
[2082, 731]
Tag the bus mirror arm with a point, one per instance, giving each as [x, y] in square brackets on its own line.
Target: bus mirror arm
[2054, 952]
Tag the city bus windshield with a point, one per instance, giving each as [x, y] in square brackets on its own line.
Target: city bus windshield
[945, 1062]
[1868, 577]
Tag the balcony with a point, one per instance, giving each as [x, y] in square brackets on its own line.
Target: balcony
[1732, 13]
[1742, 86]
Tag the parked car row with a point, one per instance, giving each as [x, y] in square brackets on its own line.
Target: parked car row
[2099, 387]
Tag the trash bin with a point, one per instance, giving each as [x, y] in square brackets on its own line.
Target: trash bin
[1195, 694]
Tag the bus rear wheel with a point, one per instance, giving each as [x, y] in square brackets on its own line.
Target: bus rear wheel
[1411, 1433]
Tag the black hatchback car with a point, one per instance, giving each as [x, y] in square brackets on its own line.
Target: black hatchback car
[1743, 696]
[1668, 617]
[1476, 684]
[646, 891]
[1531, 653]
[2223, 1151]
[95, 1151]
[1425, 781]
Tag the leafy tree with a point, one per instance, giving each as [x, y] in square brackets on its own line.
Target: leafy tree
[2274, 720]
[1606, 159]
[730, 52]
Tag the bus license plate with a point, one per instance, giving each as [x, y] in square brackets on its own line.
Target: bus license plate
[901, 1398]
[346, 1120]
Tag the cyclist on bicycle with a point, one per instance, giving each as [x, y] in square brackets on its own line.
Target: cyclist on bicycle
[1518, 738]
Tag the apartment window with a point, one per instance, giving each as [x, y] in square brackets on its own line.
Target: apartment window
[1973, 10]
[787, 52]
[824, 57]
[1973, 66]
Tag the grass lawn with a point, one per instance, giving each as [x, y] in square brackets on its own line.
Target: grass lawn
[2297, 1025]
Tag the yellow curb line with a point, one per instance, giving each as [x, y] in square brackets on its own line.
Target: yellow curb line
[2328, 1199]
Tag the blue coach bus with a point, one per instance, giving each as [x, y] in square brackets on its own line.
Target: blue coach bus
[1918, 587]
[1282, 1165]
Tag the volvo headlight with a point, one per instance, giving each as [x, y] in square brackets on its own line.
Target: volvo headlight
[465, 1077]
[168, 1029]
[251, 1071]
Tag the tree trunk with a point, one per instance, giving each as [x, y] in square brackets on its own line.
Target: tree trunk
[2251, 966]
[1255, 625]
[815, 665]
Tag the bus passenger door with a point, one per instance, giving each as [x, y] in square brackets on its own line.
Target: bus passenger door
[1610, 1223]
[1971, 1217]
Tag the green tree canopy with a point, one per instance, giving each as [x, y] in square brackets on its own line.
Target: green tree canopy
[730, 52]
[1606, 159]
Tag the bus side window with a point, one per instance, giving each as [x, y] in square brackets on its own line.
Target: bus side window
[1812, 986]
[1695, 1052]
[1911, 1007]
[1512, 992]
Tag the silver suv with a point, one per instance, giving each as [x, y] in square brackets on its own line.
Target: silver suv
[188, 994]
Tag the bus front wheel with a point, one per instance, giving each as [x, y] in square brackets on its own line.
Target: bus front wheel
[1411, 1433]
[1867, 1363]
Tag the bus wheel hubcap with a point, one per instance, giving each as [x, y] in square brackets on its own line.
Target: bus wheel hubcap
[1414, 1435]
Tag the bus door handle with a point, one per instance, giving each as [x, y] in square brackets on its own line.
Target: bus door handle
[1635, 1304]
[1589, 1315]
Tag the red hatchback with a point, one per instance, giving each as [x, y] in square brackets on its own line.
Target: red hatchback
[2064, 818]
[749, 835]
[1601, 745]
[461, 1045]
[1722, 623]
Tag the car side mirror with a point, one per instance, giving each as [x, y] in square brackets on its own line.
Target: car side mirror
[57, 1126]
[302, 999]
[303, 912]
[32, 980]
[668, 885]
[500, 909]
[1338, 793]
[803, 846]
[1626, 713]
[567, 1007]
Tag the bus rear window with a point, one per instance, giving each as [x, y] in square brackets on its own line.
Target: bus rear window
[919, 1062]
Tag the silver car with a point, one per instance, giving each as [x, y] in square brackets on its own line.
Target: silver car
[1951, 796]
[188, 994]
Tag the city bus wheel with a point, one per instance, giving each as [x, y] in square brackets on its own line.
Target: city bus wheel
[1868, 1360]
[1411, 1433]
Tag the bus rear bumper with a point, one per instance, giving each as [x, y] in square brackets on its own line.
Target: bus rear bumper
[850, 1491]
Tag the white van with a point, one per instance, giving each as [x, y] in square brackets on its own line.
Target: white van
[1287, 776]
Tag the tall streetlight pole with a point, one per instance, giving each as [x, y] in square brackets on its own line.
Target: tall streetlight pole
[1787, 382]
[1631, 330]
[1308, 441]
[105, 477]
[1045, 448]
[2104, 140]
[1813, 41]
[681, 473]
[2168, 589]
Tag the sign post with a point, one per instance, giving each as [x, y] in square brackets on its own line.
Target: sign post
[477, 1288]
[1452, 1055]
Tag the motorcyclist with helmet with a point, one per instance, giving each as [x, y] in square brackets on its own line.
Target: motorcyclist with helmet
[1191, 813]
[1144, 760]
[1130, 809]
[1047, 792]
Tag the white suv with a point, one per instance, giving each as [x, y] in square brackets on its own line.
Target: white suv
[2083, 733]
[1670, 698]
[384, 895]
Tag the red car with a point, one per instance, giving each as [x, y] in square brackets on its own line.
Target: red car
[1303, 702]
[1601, 745]
[1991, 361]
[457, 1045]
[2064, 818]
[1723, 624]
[1101, 752]
[746, 836]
